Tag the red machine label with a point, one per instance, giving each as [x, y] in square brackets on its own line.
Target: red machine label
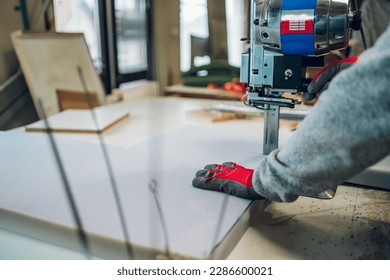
[297, 26]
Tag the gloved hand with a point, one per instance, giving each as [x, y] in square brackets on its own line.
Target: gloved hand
[228, 177]
[321, 81]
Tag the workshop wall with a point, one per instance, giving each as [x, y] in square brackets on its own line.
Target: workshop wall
[10, 20]
[16, 105]
[217, 30]
[166, 42]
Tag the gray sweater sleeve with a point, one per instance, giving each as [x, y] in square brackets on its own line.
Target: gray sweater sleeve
[345, 132]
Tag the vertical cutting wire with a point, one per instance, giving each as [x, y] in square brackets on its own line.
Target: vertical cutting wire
[153, 190]
[154, 163]
[219, 224]
[129, 247]
[76, 216]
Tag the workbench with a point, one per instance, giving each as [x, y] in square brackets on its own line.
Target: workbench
[200, 92]
[353, 225]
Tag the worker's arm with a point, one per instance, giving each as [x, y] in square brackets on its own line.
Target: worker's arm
[346, 131]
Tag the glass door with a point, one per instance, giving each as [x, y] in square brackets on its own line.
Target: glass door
[131, 39]
[81, 16]
[116, 32]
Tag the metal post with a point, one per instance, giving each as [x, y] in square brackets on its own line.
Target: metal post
[271, 128]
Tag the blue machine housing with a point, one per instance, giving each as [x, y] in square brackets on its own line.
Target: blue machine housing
[298, 44]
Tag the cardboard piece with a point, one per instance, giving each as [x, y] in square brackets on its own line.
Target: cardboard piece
[213, 115]
[81, 121]
[69, 99]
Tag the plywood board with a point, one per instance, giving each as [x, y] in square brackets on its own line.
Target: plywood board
[76, 100]
[200, 223]
[49, 62]
[213, 115]
[81, 120]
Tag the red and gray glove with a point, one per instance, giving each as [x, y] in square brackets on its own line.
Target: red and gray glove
[229, 177]
[321, 81]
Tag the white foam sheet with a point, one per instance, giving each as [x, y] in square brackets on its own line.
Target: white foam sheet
[30, 185]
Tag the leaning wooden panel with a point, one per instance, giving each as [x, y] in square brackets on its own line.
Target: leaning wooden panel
[49, 62]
